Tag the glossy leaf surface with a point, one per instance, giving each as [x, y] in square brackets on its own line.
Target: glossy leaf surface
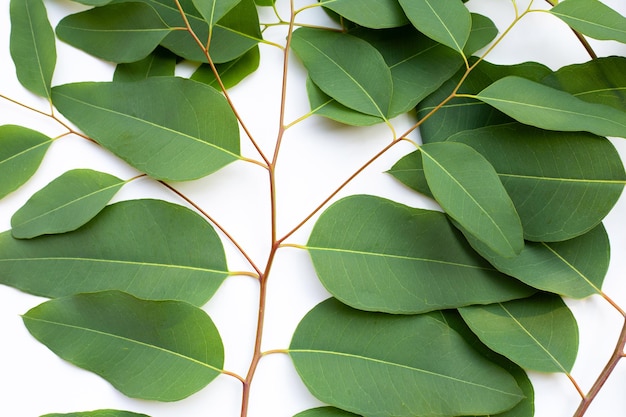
[446, 21]
[134, 121]
[538, 105]
[32, 45]
[573, 268]
[375, 254]
[375, 14]
[562, 184]
[100, 31]
[149, 248]
[231, 73]
[373, 364]
[467, 186]
[65, 204]
[160, 63]
[592, 18]
[483, 31]
[155, 350]
[346, 68]
[325, 412]
[538, 333]
[98, 413]
[21, 152]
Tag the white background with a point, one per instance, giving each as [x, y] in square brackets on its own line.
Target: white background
[317, 155]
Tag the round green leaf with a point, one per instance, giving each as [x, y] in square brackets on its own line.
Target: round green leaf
[134, 121]
[98, 413]
[149, 248]
[467, 186]
[375, 14]
[592, 18]
[325, 412]
[483, 31]
[374, 364]
[375, 254]
[538, 333]
[21, 152]
[65, 204]
[154, 350]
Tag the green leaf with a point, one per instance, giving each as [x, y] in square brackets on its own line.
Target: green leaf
[214, 10]
[483, 31]
[409, 170]
[346, 68]
[573, 268]
[601, 80]
[467, 186]
[538, 333]
[93, 2]
[100, 31]
[134, 121]
[159, 63]
[375, 14]
[325, 412]
[21, 152]
[592, 18]
[467, 113]
[562, 183]
[374, 364]
[98, 413]
[447, 21]
[32, 45]
[375, 254]
[149, 248]
[65, 204]
[547, 108]
[265, 2]
[231, 73]
[154, 350]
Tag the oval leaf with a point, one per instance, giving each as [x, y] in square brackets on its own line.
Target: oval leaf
[32, 45]
[592, 18]
[468, 188]
[154, 350]
[160, 63]
[448, 22]
[325, 412]
[538, 333]
[346, 68]
[231, 73]
[134, 121]
[373, 364]
[374, 254]
[21, 152]
[483, 31]
[98, 413]
[149, 248]
[65, 204]
[375, 14]
[214, 10]
[538, 105]
[100, 31]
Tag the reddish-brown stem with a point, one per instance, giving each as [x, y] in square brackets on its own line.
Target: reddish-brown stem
[583, 41]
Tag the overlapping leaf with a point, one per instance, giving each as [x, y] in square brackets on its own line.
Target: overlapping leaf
[467, 186]
[375, 14]
[149, 248]
[65, 204]
[32, 45]
[538, 333]
[373, 364]
[135, 121]
[160, 63]
[21, 152]
[155, 350]
[325, 412]
[374, 254]
[231, 73]
[98, 413]
[214, 10]
[483, 31]
[592, 18]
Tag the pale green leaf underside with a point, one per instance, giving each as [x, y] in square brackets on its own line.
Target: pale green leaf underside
[65, 204]
[373, 364]
[538, 333]
[154, 350]
[98, 413]
[374, 254]
[592, 18]
[149, 248]
[134, 121]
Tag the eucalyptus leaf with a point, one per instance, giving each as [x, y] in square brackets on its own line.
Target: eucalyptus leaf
[21, 152]
[160, 63]
[214, 10]
[467, 186]
[375, 254]
[154, 350]
[482, 33]
[409, 170]
[374, 364]
[592, 18]
[134, 121]
[100, 31]
[346, 68]
[149, 248]
[325, 412]
[65, 204]
[32, 45]
[98, 413]
[573, 268]
[538, 333]
[375, 14]
[231, 73]
[547, 108]
[93, 2]
[446, 21]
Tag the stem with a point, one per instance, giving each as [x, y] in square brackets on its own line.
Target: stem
[579, 35]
